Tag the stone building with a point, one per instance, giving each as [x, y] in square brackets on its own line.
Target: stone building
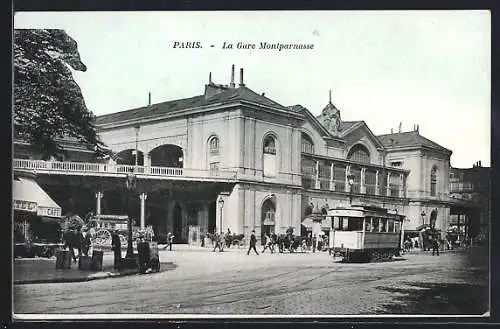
[231, 158]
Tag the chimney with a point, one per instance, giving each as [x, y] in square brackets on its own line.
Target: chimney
[210, 78]
[149, 100]
[400, 124]
[241, 78]
[479, 163]
[392, 132]
[330, 96]
[417, 128]
[232, 85]
[263, 94]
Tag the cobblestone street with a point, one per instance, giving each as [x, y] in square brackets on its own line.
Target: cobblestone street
[308, 284]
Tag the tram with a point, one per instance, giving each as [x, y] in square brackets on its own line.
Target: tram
[365, 233]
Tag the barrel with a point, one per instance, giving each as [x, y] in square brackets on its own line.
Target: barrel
[84, 263]
[96, 263]
[63, 259]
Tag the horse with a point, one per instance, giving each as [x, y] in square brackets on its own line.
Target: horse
[288, 241]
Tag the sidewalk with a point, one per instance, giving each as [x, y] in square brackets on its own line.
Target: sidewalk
[43, 270]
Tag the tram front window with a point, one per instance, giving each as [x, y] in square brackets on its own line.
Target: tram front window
[348, 223]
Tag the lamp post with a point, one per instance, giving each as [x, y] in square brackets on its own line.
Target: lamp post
[221, 204]
[131, 185]
[350, 180]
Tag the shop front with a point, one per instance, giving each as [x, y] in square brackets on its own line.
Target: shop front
[36, 219]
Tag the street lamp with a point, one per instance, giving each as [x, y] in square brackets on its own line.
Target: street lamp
[221, 204]
[350, 180]
[131, 185]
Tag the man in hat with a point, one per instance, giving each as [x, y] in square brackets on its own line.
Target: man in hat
[253, 242]
[117, 248]
[86, 243]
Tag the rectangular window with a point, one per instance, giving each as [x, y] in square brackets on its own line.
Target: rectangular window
[383, 225]
[396, 164]
[355, 224]
[368, 224]
[336, 222]
[375, 224]
[391, 225]
[345, 223]
[397, 227]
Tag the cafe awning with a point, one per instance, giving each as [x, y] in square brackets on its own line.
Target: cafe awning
[29, 196]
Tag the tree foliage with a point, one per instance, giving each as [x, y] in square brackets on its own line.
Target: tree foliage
[48, 103]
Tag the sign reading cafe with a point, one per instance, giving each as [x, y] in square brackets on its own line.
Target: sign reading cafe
[25, 205]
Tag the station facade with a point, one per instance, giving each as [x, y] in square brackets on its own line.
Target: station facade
[283, 163]
[287, 161]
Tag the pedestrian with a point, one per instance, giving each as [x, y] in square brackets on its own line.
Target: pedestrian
[86, 243]
[435, 246]
[116, 245]
[268, 243]
[69, 238]
[314, 242]
[218, 242]
[79, 241]
[170, 240]
[253, 242]
[143, 251]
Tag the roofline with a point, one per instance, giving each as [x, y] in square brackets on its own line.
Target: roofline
[316, 122]
[418, 147]
[194, 110]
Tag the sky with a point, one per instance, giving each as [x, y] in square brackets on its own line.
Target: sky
[430, 68]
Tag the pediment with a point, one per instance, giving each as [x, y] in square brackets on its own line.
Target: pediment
[359, 132]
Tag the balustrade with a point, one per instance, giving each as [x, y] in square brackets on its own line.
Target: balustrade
[83, 167]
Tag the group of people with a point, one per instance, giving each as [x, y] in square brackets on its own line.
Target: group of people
[79, 239]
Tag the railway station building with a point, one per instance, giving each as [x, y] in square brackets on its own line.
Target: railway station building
[231, 158]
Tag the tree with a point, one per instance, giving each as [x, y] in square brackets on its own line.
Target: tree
[48, 103]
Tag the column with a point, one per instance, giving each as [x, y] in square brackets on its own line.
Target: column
[362, 187]
[147, 159]
[388, 184]
[98, 197]
[143, 197]
[347, 171]
[401, 186]
[377, 191]
[317, 184]
[332, 177]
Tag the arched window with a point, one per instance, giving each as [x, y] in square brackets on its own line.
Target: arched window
[269, 145]
[359, 153]
[307, 144]
[268, 218]
[213, 145]
[270, 162]
[433, 181]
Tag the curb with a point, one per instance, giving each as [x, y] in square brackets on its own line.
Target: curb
[107, 275]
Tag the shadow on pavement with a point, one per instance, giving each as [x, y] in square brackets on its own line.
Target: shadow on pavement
[439, 298]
